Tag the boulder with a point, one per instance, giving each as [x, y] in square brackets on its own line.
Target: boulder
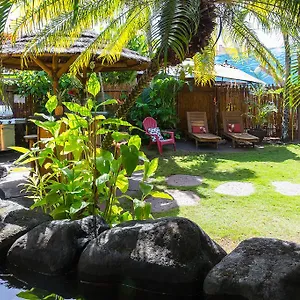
[258, 269]
[16, 220]
[3, 171]
[167, 252]
[54, 247]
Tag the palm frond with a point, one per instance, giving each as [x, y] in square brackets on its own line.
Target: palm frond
[204, 64]
[173, 25]
[240, 32]
[5, 7]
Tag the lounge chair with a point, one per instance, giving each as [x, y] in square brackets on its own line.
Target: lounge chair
[233, 128]
[198, 128]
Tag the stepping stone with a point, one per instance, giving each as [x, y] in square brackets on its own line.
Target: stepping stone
[12, 184]
[180, 198]
[287, 188]
[184, 180]
[235, 188]
[134, 181]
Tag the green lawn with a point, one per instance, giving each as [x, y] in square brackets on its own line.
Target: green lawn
[229, 219]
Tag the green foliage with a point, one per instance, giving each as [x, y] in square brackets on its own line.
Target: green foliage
[138, 44]
[33, 83]
[259, 111]
[38, 84]
[158, 101]
[74, 177]
[38, 294]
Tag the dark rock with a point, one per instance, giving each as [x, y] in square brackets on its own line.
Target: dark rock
[16, 220]
[3, 171]
[54, 247]
[2, 194]
[166, 251]
[258, 269]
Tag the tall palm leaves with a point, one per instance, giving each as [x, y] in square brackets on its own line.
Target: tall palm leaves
[5, 7]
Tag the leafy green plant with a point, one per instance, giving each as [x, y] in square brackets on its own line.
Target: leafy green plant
[158, 101]
[260, 111]
[74, 177]
[37, 84]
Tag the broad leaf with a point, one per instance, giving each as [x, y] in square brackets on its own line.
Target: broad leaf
[126, 216]
[102, 179]
[116, 164]
[130, 158]
[150, 168]
[102, 165]
[78, 206]
[146, 188]
[76, 108]
[51, 104]
[28, 295]
[120, 136]
[122, 183]
[93, 85]
[105, 154]
[90, 104]
[157, 194]
[136, 141]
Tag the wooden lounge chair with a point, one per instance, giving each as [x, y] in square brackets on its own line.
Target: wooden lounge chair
[231, 118]
[198, 119]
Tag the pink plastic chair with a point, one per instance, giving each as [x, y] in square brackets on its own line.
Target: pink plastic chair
[151, 123]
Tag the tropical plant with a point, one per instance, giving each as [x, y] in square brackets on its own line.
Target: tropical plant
[74, 177]
[158, 101]
[260, 110]
[175, 29]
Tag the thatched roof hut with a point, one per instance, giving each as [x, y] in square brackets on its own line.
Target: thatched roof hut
[57, 61]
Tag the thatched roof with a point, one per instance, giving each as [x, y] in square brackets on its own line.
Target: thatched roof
[11, 56]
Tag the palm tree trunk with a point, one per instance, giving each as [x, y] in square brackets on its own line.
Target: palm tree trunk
[286, 110]
[142, 83]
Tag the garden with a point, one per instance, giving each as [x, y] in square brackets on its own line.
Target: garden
[88, 209]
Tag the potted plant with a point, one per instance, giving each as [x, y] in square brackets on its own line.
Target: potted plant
[259, 113]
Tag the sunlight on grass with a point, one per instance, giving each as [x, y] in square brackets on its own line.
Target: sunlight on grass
[230, 219]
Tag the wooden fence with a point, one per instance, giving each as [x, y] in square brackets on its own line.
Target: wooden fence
[214, 100]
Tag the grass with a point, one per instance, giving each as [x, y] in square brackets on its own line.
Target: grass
[229, 219]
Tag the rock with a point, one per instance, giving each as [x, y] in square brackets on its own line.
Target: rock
[3, 171]
[180, 198]
[258, 269]
[2, 194]
[16, 220]
[165, 252]
[13, 183]
[54, 247]
[184, 180]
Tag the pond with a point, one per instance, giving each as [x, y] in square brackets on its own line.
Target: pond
[40, 287]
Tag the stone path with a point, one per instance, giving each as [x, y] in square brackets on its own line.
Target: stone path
[287, 188]
[184, 180]
[180, 198]
[10, 185]
[235, 188]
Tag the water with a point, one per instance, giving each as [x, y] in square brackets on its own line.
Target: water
[34, 286]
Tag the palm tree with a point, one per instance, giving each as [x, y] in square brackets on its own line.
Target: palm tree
[179, 29]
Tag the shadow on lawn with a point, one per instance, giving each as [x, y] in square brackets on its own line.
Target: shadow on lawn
[269, 153]
[205, 168]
